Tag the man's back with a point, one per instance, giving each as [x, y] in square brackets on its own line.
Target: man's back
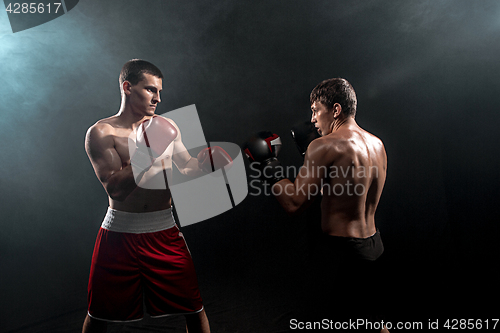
[355, 179]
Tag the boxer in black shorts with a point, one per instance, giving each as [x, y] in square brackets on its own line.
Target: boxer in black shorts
[348, 166]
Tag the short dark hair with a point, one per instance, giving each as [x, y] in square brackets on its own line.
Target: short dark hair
[333, 91]
[133, 71]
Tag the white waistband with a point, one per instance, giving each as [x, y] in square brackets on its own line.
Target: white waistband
[138, 223]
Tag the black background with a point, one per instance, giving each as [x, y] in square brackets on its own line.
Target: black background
[426, 75]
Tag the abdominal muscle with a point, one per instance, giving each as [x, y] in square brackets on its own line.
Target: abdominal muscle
[151, 195]
[143, 200]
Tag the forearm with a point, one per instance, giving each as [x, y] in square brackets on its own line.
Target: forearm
[190, 168]
[121, 183]
[288, 196]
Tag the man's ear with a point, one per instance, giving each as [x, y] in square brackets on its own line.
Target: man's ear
[337, 110]
[126, 87]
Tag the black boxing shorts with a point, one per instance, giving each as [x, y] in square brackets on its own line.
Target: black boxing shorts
[344, 272]
[349, 248]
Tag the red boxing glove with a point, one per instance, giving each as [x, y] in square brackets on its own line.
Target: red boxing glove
[216, 155]
[156, 133]
[153, 137]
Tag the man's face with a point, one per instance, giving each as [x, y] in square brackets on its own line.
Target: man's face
[322, 118]
[145, 95]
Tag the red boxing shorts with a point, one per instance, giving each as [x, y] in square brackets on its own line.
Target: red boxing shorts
[141, 257]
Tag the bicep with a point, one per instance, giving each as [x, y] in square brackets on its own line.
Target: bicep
[308, 183]
[309, 180]
[99, 145]
[180, 155]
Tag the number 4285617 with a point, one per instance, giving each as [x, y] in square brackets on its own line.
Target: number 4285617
[32, 8]
[471, 324]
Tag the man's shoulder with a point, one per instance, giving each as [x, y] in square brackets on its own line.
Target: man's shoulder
[333, 145]
[109, 122]
[102, 132]
[106, 125]
[371, 136]
[374, 141]
[351, 137]
[324, 148]
[331, 141]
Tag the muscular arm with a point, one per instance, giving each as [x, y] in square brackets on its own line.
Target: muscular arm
[295, 197]
[117, 178]
[186, 164]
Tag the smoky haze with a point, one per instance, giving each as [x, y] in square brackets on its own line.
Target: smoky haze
[426, 75]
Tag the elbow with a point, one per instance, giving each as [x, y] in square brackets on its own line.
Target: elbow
[292, 210]
[118, 189]
[117, 196]
[295, 208]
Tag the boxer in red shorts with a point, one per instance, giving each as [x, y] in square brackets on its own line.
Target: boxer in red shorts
[140, 255]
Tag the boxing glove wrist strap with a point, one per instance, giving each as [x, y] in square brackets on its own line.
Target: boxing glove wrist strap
[271, 171]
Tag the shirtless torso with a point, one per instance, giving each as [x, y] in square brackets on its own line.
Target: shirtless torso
[349, 164]
[107, 146]
[357, 170]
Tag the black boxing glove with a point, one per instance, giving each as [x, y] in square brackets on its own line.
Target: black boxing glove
[303, 134]
[262, 151]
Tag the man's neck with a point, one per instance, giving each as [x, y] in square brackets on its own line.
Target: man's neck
[128, 118]
[343, 123]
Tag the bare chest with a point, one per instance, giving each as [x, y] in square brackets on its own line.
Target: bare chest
[125, 146]
[121, 140]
